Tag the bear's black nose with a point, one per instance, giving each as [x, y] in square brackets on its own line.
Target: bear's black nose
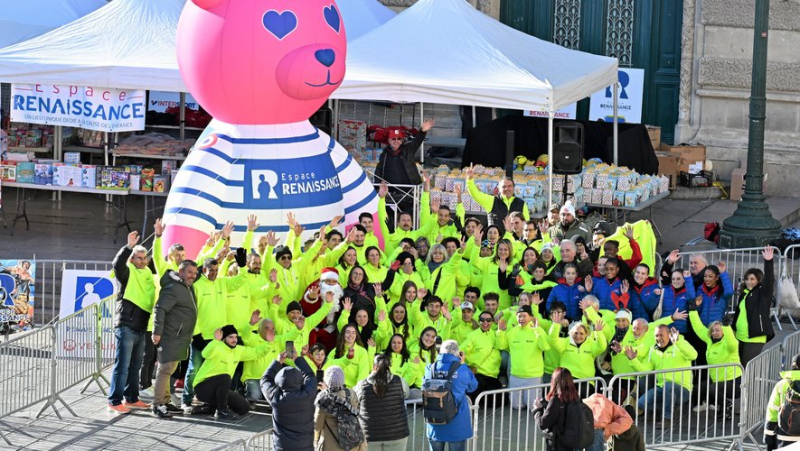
[326, 57]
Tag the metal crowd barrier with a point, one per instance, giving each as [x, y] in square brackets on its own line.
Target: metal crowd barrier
[399, 194]
[48, 285]
[261, 441]
[649, 399]
[737, 260]
[28, 374]
[791, 267]
[758, 381]
[790, 347]
[238, 445]
[499, 426]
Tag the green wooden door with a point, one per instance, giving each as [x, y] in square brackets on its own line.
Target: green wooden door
[641, 33]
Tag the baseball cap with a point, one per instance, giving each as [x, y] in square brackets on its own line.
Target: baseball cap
[467, 305]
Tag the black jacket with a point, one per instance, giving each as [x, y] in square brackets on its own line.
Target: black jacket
[757, 305]
[551, 420]
[382, 419]
[291, 393]
[175, 317]
[127, 313]
[408, 150]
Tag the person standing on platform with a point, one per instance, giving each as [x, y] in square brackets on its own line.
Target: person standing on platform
[134, 271]
[397, 165]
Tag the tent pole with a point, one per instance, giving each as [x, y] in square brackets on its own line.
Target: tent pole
[616, 128]
[105, 157]
[58, 150]
[334, 125]
[183, 116]
[550, 116]
[474, 117]
[422, 120]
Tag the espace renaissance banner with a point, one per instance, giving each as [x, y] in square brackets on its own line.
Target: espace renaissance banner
[102, 109]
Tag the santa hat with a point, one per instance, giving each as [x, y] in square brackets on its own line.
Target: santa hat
[329, 273]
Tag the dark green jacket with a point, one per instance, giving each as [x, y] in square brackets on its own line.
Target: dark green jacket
[175, 317]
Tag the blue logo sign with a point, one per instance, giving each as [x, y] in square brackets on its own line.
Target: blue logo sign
[7, 286]
[291, 183]
[91, 290]
[624, 81]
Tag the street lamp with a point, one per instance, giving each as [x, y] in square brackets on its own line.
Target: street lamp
[752, 224]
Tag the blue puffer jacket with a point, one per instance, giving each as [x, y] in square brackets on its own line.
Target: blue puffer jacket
[677, 301]
[602, 288]
[570, 296]
[715, 300]
[646, 296]
[463, 382]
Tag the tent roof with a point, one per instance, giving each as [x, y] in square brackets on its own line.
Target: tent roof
[448, 52]
[21, 20]
[362, 16]
[127, 44]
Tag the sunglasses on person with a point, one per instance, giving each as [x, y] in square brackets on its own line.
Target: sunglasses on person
[285, 257]
[486, 320]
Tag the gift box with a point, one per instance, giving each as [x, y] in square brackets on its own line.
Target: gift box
[147, 179]
[8, 171]
[619, 199]
[161, 184]
[25, 172]
[587, 196]
[439, 182]
[58, 174]
[597, 196]
[663, 184]
[88, 176]
[608, 197]
[588, 179]
[630, 199]
[43, 174]
[135, 182]
[72, 157]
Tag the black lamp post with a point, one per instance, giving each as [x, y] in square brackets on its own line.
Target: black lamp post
[752, 223]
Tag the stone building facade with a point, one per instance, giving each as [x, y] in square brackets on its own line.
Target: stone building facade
[715, 86]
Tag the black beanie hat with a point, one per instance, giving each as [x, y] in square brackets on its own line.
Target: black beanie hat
[282, 250]
[228, 330]
[294, 305]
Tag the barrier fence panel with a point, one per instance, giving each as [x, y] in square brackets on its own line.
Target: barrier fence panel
[760, 377]
[48, 284]
[669, 413]
[238, 445]
[418, 440]
[792, 264]
[502, 418]
[737, 260]
[261, 441]
[790, 347]
[76, 347]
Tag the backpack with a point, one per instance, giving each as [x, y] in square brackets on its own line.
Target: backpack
[789, 413]
[350, 433]
[578, 426]
[438, 403]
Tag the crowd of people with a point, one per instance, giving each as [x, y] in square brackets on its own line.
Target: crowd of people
[347, 325]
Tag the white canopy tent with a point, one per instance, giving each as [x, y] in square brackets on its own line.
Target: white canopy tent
[21, 20]
[127, 44]
[453, 54]
[362, 16]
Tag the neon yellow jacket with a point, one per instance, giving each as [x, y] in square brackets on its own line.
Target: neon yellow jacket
[482, 351]
[525, 346]
[678, 355]
[254, 369]
[221, 359]
[578, 359]
[355, 369]
[722, 352]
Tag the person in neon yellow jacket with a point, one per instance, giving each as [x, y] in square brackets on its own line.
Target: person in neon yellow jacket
[722, 348]
[213, 380]
[395, 323]
[482, 350]
[525, 344]
[493, 268]
[552, 358]
[580, 349]
[774, 433]
[352, 356]
[464, 322]
[423, 353]
[405, 222]
[262, 332]
[671, 352]
[435, 315]
[443, 272]
[402, 364]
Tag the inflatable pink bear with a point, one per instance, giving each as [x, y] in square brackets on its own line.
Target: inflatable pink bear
[262, 68]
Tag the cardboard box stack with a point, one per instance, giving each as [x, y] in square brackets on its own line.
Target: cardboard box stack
[684, 158]
[23, 135]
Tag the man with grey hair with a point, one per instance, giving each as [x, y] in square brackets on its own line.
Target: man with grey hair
[697, 266]
[455, 433]
[569, 254]
[135, 298]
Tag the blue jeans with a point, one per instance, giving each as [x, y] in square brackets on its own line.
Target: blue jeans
[599, 443]
[451, 446]
[252, 390]
[670, 394]
[127, 362]
[195, 360]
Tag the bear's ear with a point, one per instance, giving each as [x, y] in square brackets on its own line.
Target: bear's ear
[207, 4]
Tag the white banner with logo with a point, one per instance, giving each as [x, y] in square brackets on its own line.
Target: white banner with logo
[159, 101]
[630, 96]
[568, 112]
[79, 289]
[93, 108]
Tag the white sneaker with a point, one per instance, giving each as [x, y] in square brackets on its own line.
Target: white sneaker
[147, 392]
[703, 407]
[187, 409]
